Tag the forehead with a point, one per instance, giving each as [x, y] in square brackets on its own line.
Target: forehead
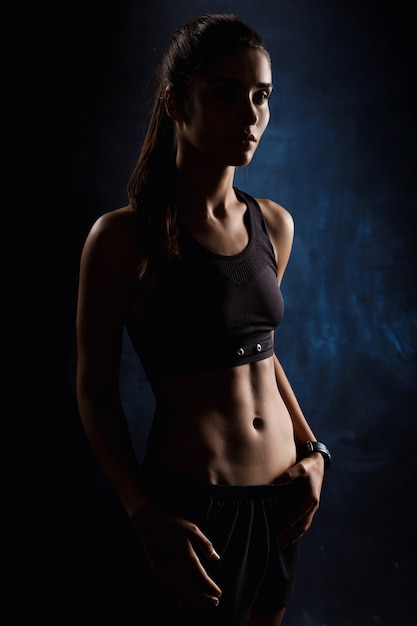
[246, 65]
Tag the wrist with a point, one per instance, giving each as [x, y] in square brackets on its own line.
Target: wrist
[313, 447]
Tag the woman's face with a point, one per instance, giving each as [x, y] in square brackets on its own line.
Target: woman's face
[226, 110]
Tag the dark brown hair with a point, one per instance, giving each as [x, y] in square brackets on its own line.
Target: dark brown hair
[192, 50]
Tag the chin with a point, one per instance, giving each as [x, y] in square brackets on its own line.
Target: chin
[238, 160]
[244, 160]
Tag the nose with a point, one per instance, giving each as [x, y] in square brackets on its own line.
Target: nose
[249, 113]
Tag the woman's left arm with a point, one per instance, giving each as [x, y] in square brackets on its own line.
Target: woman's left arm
[310, 469]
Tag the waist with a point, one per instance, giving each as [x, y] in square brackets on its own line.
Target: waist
[230, 426]
[157, 476]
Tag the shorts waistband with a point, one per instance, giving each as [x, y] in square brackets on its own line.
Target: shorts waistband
[156, 476]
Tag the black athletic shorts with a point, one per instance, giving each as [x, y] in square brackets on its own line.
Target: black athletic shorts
[256, 574]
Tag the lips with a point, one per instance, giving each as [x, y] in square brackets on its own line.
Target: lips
[244, 139]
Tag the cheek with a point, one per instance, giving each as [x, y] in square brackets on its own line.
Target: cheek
[265, 117]
[198, 118]
[212, 125]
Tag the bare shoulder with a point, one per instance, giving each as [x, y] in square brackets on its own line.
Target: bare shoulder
[281, 231]
[279, 221]
[114, 231]
[113, 225]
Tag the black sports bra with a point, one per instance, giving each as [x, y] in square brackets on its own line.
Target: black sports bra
[210, 311]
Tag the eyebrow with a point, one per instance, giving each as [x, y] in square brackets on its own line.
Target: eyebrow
[236, 81]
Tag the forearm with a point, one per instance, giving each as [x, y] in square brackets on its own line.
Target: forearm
[106, 428]
[302, 430]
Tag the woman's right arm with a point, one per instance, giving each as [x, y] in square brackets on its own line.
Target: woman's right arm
[107, 274]
[105, 284]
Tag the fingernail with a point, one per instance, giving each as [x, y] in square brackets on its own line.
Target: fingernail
[214, 555]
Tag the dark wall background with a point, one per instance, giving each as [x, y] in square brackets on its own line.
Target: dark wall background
[340, 155]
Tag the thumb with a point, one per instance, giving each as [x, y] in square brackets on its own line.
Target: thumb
[286, 477]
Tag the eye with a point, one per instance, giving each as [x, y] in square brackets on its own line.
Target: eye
[262, 96]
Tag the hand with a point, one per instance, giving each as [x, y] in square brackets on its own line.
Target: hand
[310, 473]
[172, 545]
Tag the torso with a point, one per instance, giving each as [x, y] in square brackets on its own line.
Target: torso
[226, 426]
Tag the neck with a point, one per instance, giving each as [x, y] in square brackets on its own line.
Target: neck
[204, 187]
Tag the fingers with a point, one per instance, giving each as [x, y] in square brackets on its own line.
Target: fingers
[306, 478]
[287, 477]
[298, 524]
[184, 590]
[189, 584]
[202, 543]
[174, 554]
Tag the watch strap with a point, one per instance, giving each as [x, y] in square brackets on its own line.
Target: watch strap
[309, 447]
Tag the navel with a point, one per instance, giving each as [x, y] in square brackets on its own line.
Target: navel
[258, 423]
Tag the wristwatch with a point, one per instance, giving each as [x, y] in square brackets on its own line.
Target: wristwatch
[309, 447]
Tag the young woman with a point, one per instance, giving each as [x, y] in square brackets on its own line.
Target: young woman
[192, 267]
